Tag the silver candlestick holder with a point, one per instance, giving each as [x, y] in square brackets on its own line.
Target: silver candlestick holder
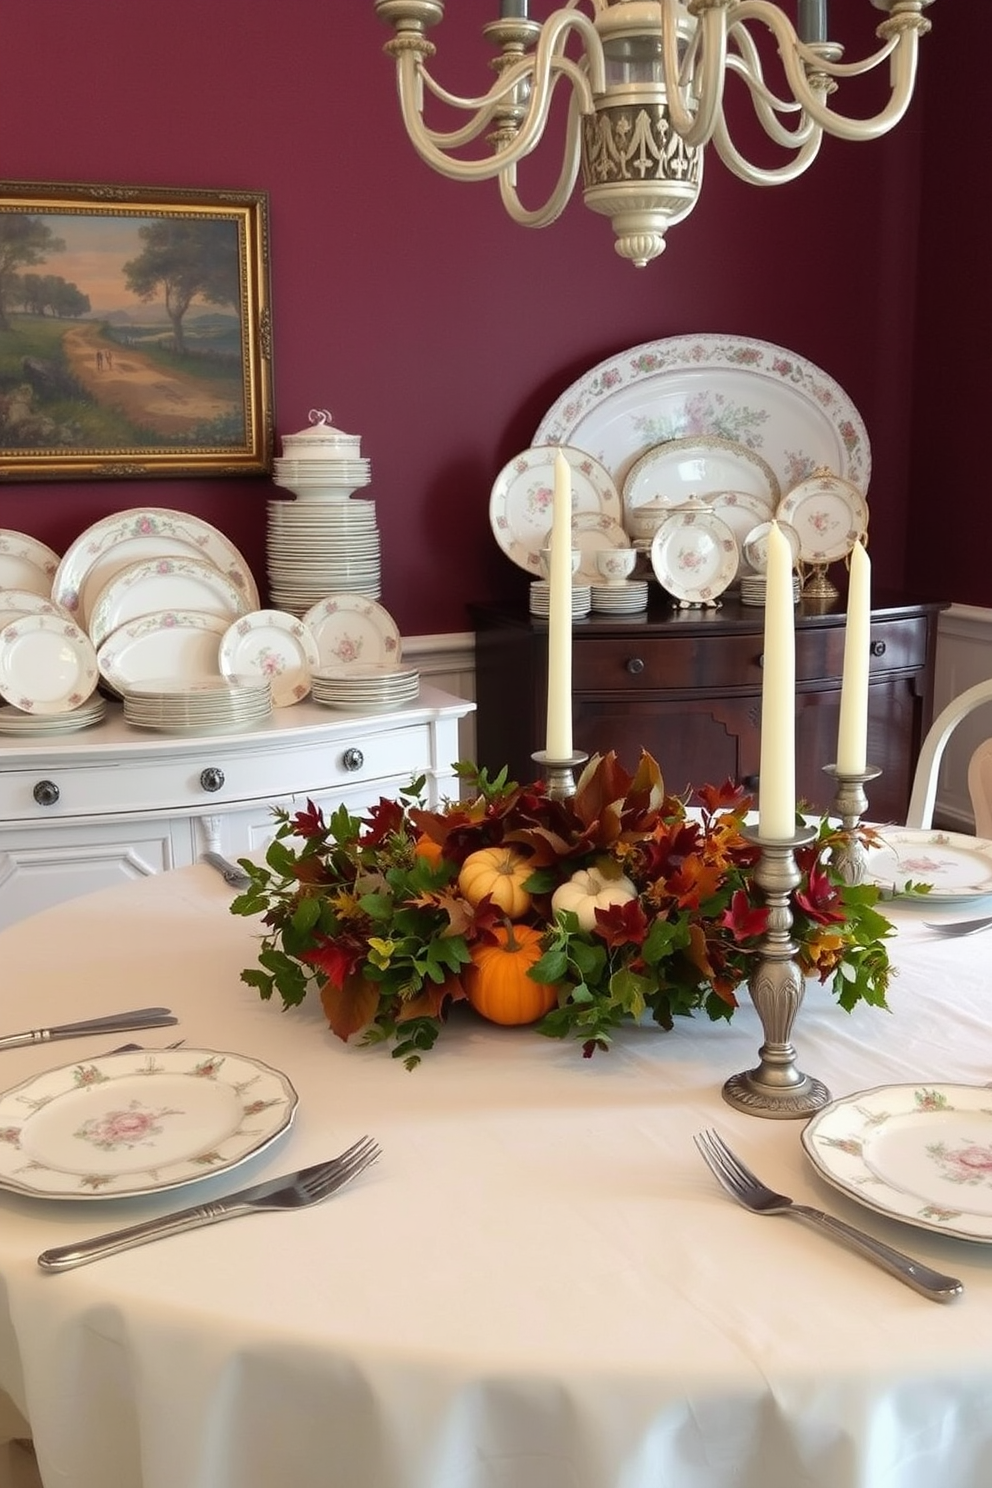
[849, 859]
[559, 774]
[776, 1088]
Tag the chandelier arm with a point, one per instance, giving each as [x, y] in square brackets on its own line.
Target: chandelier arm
[709, 42]
[772, 16]
[903, 57]
[545, 69]
[767, 106]
[757, 176]
[558, 198]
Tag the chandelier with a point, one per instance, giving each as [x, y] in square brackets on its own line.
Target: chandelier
[646, 81]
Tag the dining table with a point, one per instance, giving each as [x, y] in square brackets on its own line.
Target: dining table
[539, 1284]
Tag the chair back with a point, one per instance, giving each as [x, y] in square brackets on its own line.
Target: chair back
[980, 788]
[924, 792]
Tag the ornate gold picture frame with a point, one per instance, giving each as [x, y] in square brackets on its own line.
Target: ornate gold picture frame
[135, 332]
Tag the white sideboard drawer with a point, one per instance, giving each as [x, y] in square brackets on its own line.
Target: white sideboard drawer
[216, 776]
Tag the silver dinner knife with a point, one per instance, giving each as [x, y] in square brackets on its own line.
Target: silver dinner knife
[230, 872]
[155, 1017]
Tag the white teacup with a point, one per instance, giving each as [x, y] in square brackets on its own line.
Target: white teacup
[616, 565]
[544, 560]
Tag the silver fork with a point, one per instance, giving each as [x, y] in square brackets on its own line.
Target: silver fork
[748, 1190]
[958, 927]
[292, 1191]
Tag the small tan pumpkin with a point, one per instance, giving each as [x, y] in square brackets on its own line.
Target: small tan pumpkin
[496, 981]
[500, 872]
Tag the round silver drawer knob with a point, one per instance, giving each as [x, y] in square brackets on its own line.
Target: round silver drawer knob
[635, 666]
[353, 759]
[46, 792]
[212, 779]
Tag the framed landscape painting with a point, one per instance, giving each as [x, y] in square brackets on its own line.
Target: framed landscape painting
[135, 334]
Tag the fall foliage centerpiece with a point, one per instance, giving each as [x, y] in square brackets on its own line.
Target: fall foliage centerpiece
[575, 914]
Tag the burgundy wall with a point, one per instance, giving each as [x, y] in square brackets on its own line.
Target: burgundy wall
[427, 322]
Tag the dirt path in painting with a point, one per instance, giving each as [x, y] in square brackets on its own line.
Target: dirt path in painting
[163, 401]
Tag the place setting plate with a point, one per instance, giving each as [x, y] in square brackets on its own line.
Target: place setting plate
[829, 514]
[47, 664]
[275, 645]
[353, 628]
[953, 866]
[919, 1153]
[694, 556]
[140, 1122]
[26, 563]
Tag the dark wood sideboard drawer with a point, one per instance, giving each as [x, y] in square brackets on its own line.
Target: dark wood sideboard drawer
[703, 663]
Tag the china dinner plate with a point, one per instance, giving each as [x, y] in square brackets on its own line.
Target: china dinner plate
[520, 506]
[592, 533]
[47, 664]
[26, 563]
[694, 556]
[169, 643]
[126, 1124]
[274, 645]
[955, 866]
[919, 1153]
[679, 469]
[143, 532]
[776, 403]
[828, 513]
[353, 628]
[14, 602]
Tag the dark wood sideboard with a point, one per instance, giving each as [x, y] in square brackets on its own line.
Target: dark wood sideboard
[686, 686]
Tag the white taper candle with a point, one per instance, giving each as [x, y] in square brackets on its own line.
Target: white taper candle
[559, 732]
[777, 768]
[852, 733]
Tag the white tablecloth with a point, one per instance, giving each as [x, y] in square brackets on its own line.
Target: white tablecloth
[538, 1286]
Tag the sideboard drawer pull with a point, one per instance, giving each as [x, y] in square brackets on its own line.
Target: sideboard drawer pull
[353, 759]
[635, 666]
[46, 792]
[212, 778]
[878, 648]
[760, 659]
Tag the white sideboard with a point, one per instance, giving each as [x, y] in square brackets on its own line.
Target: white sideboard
[82, 811]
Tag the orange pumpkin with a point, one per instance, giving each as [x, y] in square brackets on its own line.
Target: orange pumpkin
[500, 872]
[496, 981]
[425, 847]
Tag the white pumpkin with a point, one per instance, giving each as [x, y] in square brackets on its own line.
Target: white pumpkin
[589, 890]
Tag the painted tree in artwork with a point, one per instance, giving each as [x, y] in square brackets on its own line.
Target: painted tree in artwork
[186, 259]
[24, 240]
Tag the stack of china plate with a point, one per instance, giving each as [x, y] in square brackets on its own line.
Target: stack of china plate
[16, 721]
[359, 688]
[628, 598]
[321, 464]
[753, 588]
[206, 704]
[314, 550]
[540, 598]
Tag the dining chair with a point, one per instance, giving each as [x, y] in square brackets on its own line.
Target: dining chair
[980, 788]
[924, 792]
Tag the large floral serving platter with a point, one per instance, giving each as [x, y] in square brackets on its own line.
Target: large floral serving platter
[168, 643]
[520, 506]
[829, 514]
[135, 1123]
[762, 396]
[694, 556]
[177, 581]
[680, 469]
[919, 1153]
[26, 563]
[143, 532]
[47, 664]
[927, 865]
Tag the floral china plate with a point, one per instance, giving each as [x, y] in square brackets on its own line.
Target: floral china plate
[694, 555]
[679, 469]
[952, 865]
[135, 1123]
[47, 664]
[351, 628]
[274, 645]
[520, 506]
[593, 533]
[919, 1153]
[829, 514]
[168, 643]
[26, 563]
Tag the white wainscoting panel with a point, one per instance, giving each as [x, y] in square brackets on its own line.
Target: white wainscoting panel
[964, 657]
[448, 662]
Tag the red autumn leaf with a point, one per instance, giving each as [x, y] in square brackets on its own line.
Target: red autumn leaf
[309, 823]
[337, 959]
[820, 899]
[384, 820]
[726, 797]
[742, 919]
[622, 924]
